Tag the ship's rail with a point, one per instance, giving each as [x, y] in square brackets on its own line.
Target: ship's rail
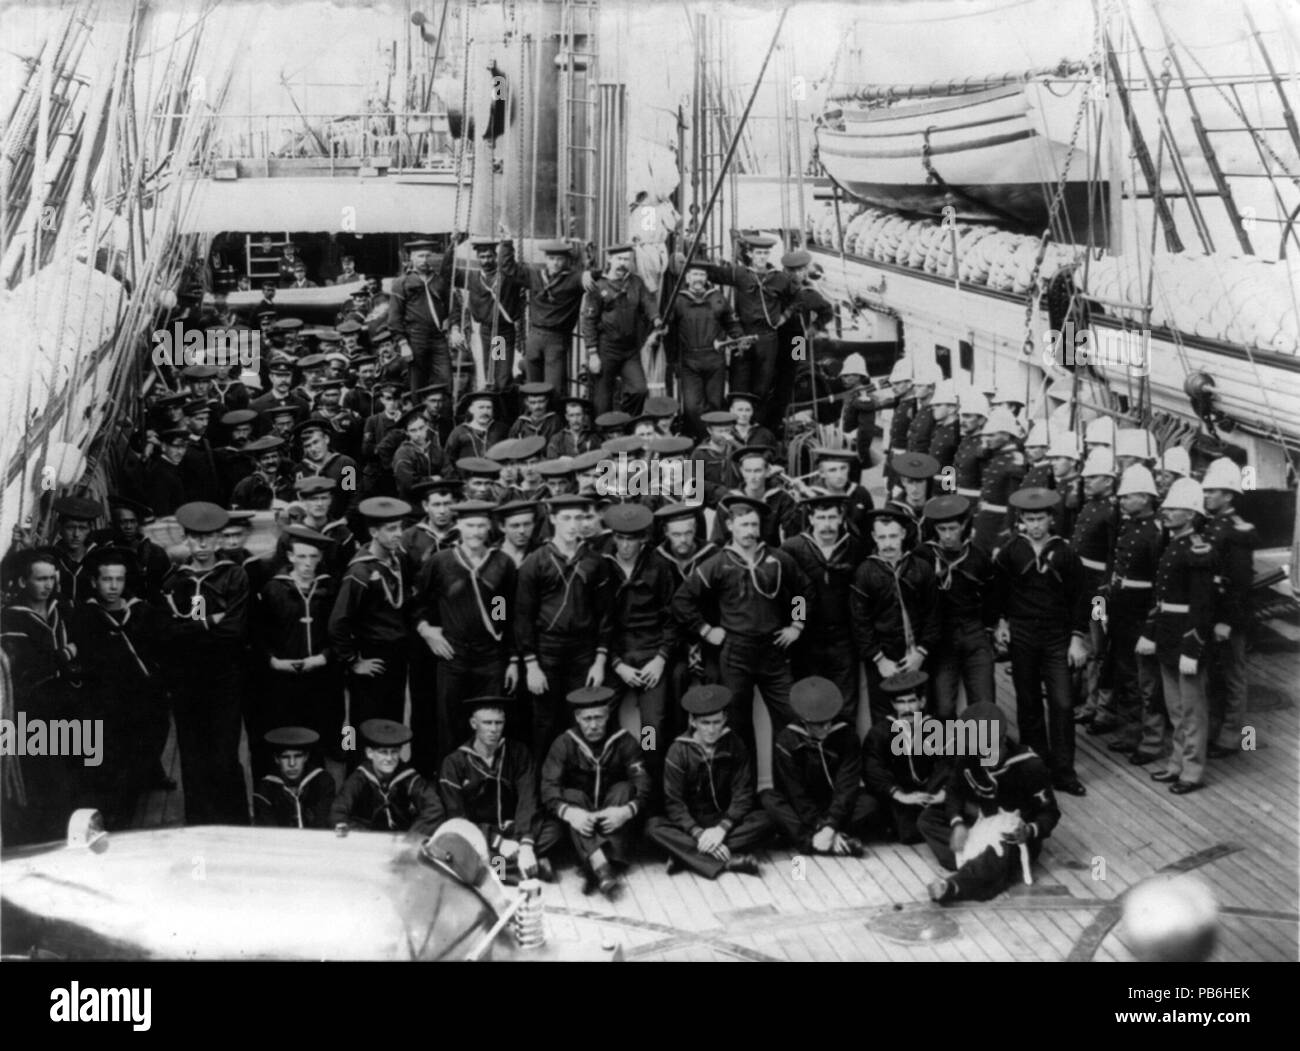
[266, 144]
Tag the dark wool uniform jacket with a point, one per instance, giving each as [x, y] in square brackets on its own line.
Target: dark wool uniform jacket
[370, 608]
[703, 790]
[819, 779]
[878, 615]
[831, 581]
[1093, 538]
[500, 796]
[642, 624]
[473, 607]
[550, 424]
[422, 542]
[1020, 781]
[1047, 589]
[1234, 541]
[409, 302]
[566, 443]
[407, 802]
[292, 624]
[764, 298]
[964, 582]
[118, 650]
[465, 440]
[1137, 555]
[755, 601]
[553, 302]
[305, 805]
[696, 321]
[613, 314]
[195, 597]
[1185, 580]
[575, 763]
[37, 647]
[565, 597]
[884, 771]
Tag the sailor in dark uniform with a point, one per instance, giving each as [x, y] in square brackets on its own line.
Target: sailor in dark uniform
[711, 818]
[1042, 603]
[1178, 630]
[1003, 470]
[764, 301]
[916, 473]
[496, 303]
[753, 467]
[480, 478]
[829, 555]
[368, 625]
[384, 794]
[903, 405]
[266, 483]
[463, 612]
[537, 418]
[1016, 782]
[594, 780]
[316, 495]
[964, 578]
[233, 463]
[578, 434]
[895, 606]
[480, 431]
[380, 438]
[818, 803]
[419, 456]
[683, 549]
[562, 619]
[716, 455]
[282, 392]
[208, 598]
[347, 425]
[298, 794]
[301, 681]
[41, 659]
[752, 601]
[199, 467]
[517, 523]
[76, 518]
[491, 781]
[920, 429]
[421, 319]
[436, 531]
[897, 768]
[834, 467]
[616, 317]
[319, 460]
[555, 292]
[164, 487]
[150, 563]
[745, 431]
[701, 320]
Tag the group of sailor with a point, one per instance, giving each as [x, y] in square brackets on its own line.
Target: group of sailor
[491, 594]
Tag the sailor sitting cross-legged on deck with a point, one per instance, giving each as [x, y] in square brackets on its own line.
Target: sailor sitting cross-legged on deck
[300, 793]
[995, 803]
[384, 794]
[712, 816]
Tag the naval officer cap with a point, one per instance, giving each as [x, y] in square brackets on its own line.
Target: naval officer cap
[794, 260]
[238, 417]
[199, 516]
[554, 247]
[174, 436]
[628, 519]
[419, 246]
[947, 508]
[825, 452]
[1034, 498]
[425, 486]
[609, 420]
[383, 509]
[507, 511]
[482, 244]
[746, 451]
[536, 390]
[706, 699]
[669, 445]
[285, 738]
[77, 508]
[672, 512]
[588, 460]
[478, 467]
[473, 509]
[628, 444]
[816, 700]
[313, 485]
[385, 733]
[905, 684]
[718, 419]
[736, 504]
[306, 535]
[569, 502]
[661, 407]
[590, 696]
[759, 240]
[915, 465]
[242, 517]
[561, 467]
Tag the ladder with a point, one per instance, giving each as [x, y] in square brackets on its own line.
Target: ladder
[259, 264]
[577, 59]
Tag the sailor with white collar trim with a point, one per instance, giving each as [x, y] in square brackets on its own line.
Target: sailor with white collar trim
[384, 794]
[299, 794]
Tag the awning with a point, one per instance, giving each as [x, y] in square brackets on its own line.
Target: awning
[382, 205]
